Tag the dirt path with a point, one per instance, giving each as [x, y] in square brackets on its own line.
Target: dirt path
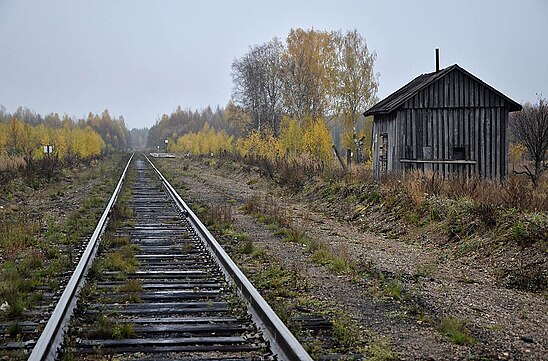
[507, 324]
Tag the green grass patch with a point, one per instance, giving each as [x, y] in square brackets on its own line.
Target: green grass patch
[295, 234]
[393, 289]
[346, 331]
[380, 349]
[131, 286]
[455, 330]
[104, 328]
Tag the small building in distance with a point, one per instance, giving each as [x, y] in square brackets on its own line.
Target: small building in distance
[448, 121]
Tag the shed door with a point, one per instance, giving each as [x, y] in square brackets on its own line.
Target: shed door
[383, 154]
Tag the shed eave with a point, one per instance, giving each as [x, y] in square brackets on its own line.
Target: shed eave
[376, 112]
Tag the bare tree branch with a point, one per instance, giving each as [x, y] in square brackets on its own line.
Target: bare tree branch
[530, 128]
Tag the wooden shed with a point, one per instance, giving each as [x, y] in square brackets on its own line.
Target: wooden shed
[447, 121]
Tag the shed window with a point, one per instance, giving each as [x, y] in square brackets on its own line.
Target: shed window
[458, 153]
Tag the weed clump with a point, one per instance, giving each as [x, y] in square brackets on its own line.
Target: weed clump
[105, 328]
[455, 330]
[380, 349]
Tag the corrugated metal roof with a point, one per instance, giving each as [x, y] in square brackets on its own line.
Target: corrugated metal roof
[400, 96]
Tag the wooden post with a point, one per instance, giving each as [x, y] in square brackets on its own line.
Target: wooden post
[339, 157]
[359, 149]
[348, 158]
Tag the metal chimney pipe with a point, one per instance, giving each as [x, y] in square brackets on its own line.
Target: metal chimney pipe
[437, 60]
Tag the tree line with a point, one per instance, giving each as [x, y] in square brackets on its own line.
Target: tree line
[35, 145]
[312, 77]
[112, 130]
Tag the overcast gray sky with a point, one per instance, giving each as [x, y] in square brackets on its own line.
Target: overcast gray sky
[141, 59]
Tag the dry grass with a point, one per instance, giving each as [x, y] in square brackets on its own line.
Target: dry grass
[516, 192]
[11, 163]
[268, 211]
[219, 216]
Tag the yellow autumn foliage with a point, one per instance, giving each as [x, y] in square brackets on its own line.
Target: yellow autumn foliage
[309, 140]
[291, 137]
[205, 142]
[260, 145]
[18, 138]
[318, 142]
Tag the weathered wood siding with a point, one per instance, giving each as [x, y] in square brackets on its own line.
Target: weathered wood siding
[454, 114]
[386, 124]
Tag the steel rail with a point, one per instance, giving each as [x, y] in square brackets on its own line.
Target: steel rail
[282, 342]
[50, 340]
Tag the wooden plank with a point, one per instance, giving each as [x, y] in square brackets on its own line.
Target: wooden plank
[460, 119]
[435, 134]
[500, 145]
[446, 92]
[430, 136]
[474, 155]
[455, 89]
[470, 89]
[423, 121]
[471, 154]
[424, 115]
[445, 139]
[462, 102]
[434, 87]
[462, 136]
[481, 135]
[438, 103]
[476, 94]
[450, 135]
[488, 143]
[403, 120]
[400, 143]
[497, 142]
[467, 137]
[441, 143]
[415, 133]
[409, 132]
[494, 129]
[466, 91]
[375, 148]
[492, 137]
[457, 125]
[452, 87]
[392, 145]
[472, 92]
[492, 116]
[506, 141]
[438, 161]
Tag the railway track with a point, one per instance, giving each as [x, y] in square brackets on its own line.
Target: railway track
[157, 286]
